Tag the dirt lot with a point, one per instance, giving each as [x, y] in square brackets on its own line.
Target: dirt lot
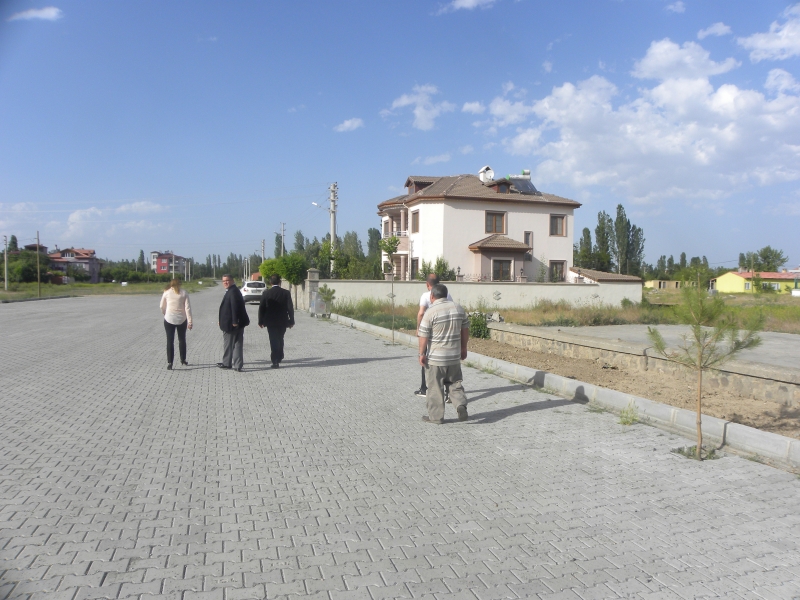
[761, 414]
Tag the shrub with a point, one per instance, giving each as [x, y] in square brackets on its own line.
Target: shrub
[478, 327]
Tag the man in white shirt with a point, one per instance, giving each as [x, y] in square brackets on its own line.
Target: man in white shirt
[424, 304]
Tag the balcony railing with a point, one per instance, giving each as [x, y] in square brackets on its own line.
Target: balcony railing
[399, 234]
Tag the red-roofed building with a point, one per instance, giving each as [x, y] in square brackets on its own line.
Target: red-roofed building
[80, 258]
[742, 283]
[167, 262]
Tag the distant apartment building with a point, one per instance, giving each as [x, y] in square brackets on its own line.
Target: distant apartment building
[78, 258]
[167, 262]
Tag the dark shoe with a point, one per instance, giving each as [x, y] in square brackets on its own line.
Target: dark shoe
[274, 366]
[427, 419]
[221, 366]
[420, 393]
[462, 412]
[184, 363]
[169, 366]
[239, 370]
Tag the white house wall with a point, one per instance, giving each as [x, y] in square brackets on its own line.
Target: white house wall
[428, 244]
[447, 229]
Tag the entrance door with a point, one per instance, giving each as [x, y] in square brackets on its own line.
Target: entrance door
[501, 270]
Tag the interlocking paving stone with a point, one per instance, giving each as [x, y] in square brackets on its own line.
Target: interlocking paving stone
[120, 479]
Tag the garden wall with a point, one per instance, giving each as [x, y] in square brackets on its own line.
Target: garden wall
[492, 295]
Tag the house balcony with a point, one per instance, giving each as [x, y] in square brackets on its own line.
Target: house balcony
[400, 235]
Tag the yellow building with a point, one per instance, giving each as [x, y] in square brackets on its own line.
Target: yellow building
[742, 283]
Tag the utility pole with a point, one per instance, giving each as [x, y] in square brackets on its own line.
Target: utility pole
[262, 250]
[283, 238]
[5, 258]
[334, 196]
[38, 271]
[173, 265]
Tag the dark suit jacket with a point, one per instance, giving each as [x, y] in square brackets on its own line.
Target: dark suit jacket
[232, 310]
[276, 308]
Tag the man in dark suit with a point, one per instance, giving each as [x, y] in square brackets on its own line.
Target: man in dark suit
[232, 321]
[276, 313]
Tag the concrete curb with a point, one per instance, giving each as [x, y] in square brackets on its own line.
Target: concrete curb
[36, 299]
[778, 448]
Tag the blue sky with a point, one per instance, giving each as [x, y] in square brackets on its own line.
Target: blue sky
[201, 126]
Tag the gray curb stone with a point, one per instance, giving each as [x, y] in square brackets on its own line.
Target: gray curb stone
[778, 448]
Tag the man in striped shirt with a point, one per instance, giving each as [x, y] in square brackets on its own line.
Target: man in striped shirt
[445, 327]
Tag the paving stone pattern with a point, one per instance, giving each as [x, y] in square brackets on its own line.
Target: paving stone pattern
[120, 479]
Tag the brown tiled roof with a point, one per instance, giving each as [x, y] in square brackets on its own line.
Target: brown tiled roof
[602, 275]
[419, 179]
[470, 187]
[497, 241]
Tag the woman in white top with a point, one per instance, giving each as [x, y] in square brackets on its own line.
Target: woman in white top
[177, 316]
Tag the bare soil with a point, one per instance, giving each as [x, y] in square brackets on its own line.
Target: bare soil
[761, 414]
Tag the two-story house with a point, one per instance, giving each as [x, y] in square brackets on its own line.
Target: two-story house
[488, 229]
[80, 258]
[167, 262]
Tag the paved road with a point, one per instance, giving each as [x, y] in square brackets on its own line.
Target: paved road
[776, 349]
[119, 479]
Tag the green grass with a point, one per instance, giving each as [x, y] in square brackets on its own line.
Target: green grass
[21, 291]
[629, 415]
[691, 452]
[781, 311]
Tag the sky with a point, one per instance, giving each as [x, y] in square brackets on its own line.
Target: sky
[201, 127]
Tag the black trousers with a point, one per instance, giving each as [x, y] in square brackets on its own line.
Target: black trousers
[276, 333]
[170, 329]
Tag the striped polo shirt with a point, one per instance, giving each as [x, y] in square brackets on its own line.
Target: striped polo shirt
[442, 324]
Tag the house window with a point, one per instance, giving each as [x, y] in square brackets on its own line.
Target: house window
[747, 285]
[386, 228]
[558, 225]
[415, 222]
[495, 222]
[501, 270]
[557, 270]
[529, 243]
[414, 268]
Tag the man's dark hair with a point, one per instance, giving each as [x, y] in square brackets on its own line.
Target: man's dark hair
[432, 279]
[228, 276]
[274, 279]
[439, 291]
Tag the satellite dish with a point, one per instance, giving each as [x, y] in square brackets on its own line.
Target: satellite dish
[486, 174]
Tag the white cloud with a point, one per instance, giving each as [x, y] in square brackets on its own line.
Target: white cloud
[425, 110]
[466, 149]
[780, 81]
[466, 5]
[441, 158]
[682, 139]
[547, 66]
[349, 125]
[676, 7]
[666, 60]
[781, 42]
[141, 207]
[475, 108]
[717, 29]
[505, 112]
[508, 86]
[50, 13]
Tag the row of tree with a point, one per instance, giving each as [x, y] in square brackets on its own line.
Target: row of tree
[618, 245]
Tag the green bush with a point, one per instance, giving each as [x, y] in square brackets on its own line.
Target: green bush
[478, 327]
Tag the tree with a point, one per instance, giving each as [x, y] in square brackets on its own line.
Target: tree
[373, 239]
[389, 246]
[294, 270]
[636, 251]
[622, 237]
[300, 242]
[584, 256]
[280, 249]
[351, 245]
[713, 339]
[670, 266]
[771, 260]
[12, 244]
[603, 234]
[683, 260]
[140, 263]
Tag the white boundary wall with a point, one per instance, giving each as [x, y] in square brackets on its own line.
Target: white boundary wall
[494, 295]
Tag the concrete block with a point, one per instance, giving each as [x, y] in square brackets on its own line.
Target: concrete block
[763, 443]
[612, 398]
